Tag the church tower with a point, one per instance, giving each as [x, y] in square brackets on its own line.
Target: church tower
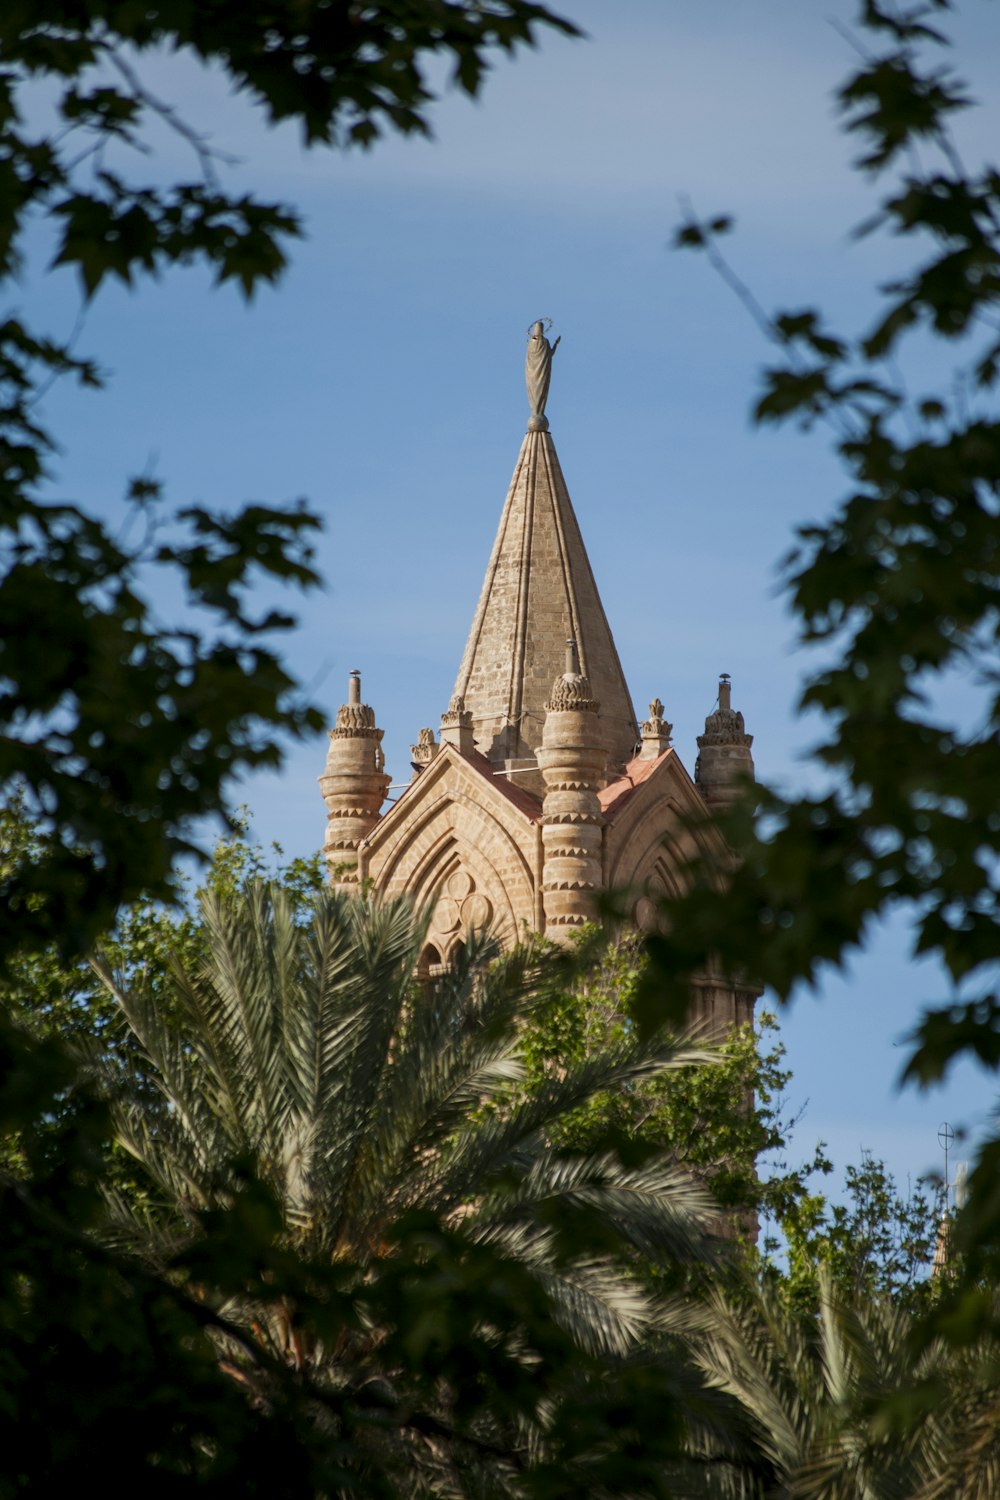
[543, 790]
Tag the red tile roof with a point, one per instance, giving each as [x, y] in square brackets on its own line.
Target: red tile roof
[618, 793]
[518, 795]
[613, 799]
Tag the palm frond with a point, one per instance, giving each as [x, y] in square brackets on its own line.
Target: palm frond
[236, 999]
[658, 1209]
[514, 1135]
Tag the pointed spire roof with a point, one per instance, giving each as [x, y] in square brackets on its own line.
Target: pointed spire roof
[539, 590]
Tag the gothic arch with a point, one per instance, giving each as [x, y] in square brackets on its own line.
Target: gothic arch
[431, 963]
[648, 841]
[650, 830]
[457, 836]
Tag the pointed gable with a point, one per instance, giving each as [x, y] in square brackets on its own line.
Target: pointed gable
[539, 591]
[654, 818]
[465, 842]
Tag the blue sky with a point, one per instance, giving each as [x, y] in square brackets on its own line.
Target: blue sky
[383, 381]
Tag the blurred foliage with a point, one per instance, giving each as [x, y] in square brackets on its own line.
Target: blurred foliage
[56, 997]
[728, 1124]
[122, 730]
[897, 595]
[436, 1351]
[52, 997]
[442, 1349]
[99, 1356]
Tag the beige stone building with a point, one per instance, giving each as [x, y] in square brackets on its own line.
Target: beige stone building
[542, 790]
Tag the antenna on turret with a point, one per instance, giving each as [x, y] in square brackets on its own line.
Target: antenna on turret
[945, 1137]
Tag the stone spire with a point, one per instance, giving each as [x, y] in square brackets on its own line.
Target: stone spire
[724, 758]
[353, 786]
[572, 759]
[539, 589]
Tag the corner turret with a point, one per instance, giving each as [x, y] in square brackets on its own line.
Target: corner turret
[572, 759]
[353, 786]
[724, 759]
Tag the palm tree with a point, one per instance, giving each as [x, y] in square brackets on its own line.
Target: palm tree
[309, 1052]
[855, 1404]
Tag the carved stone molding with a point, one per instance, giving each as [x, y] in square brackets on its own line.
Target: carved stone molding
[355, 720]
[725, 727]
[456, 713]
[656, 726]
[424, 751]
[456, 726]
[572, 691]
[460, 906]
[459, 884]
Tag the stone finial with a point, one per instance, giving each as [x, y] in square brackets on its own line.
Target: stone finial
[456, 726]
[424, 751]
[724, 726]
[724, 758]
[655, 733]
[355, 718]
[354, 784]
[538, 373]
[572, 690]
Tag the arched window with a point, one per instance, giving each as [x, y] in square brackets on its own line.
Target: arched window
[431, 965]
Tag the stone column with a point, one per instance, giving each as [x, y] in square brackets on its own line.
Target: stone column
[573, 760]
[724, 758]
[353, 786]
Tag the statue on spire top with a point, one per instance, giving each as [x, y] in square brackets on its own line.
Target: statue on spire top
[538, 373]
